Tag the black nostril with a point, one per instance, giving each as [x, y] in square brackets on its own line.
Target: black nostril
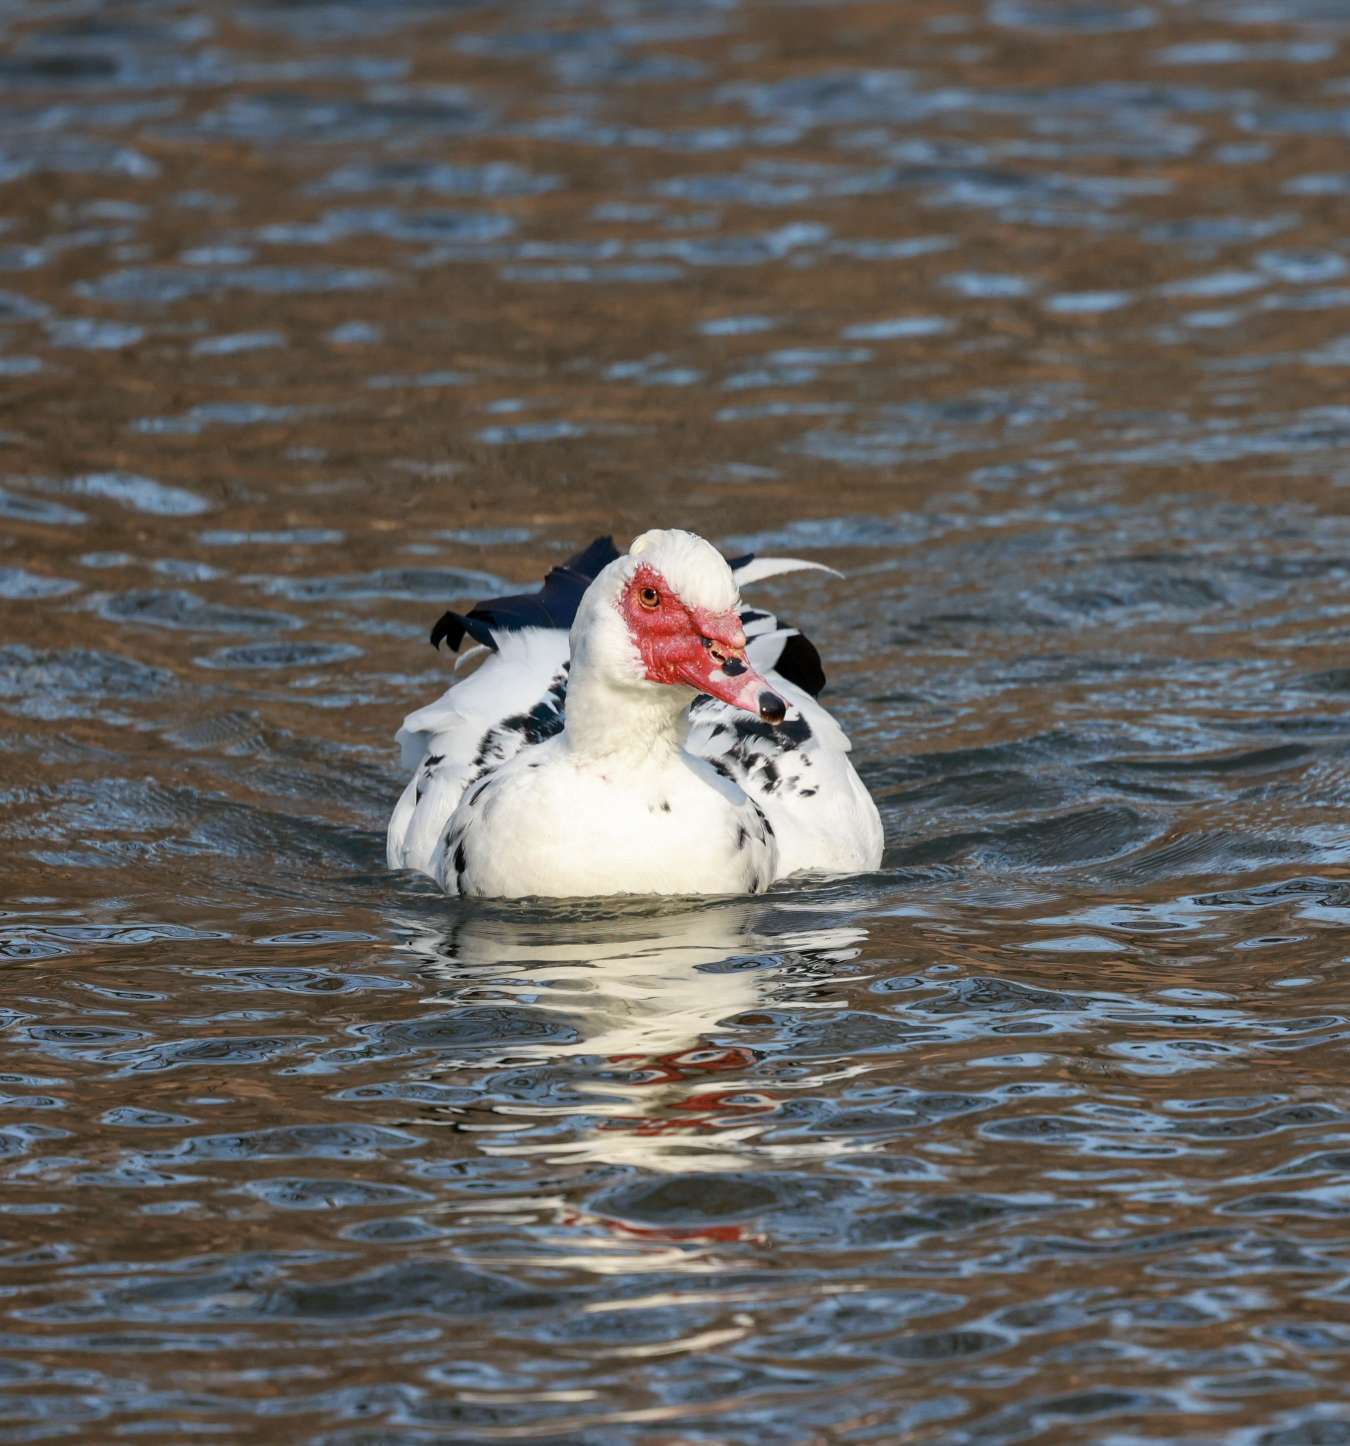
[733, 667]
[772, 709]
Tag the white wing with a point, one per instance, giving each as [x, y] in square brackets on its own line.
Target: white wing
[513, 699]
[798, 772]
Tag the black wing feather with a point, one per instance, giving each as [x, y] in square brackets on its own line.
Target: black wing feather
[799, 663]
[553, 606]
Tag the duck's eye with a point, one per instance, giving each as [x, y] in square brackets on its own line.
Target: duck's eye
[649, 598]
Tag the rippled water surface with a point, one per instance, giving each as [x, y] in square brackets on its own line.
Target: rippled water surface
[1033, 317]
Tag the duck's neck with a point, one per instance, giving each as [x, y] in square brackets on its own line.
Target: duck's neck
[630, 724]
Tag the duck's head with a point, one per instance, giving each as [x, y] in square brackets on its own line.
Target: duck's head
[668, 613]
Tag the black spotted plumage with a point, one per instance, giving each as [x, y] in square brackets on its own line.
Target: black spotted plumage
[789, 734]
[520, 730]
[766, 760]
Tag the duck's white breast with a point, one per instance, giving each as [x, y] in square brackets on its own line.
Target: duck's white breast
[546, 824]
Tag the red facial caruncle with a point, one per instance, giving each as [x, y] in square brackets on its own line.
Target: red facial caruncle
[702, 650]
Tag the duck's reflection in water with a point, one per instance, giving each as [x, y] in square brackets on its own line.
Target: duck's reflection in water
[644, 1050]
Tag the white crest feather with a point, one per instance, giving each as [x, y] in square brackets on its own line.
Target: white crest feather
[761, 567]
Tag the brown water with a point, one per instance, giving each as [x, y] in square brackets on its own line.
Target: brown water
[1034, 317]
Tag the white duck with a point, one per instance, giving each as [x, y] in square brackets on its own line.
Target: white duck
[661, 746]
